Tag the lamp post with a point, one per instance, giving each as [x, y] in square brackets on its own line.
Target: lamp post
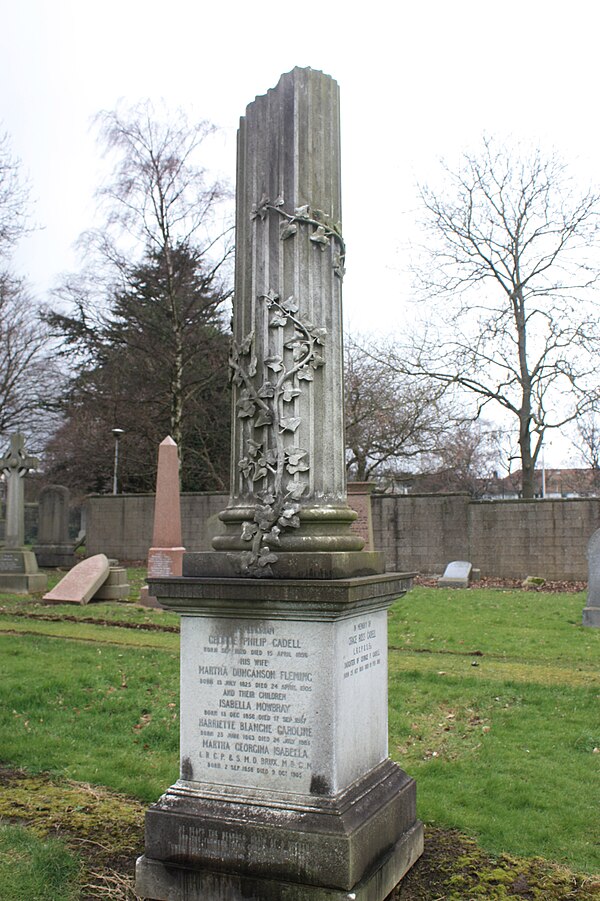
[117, 433]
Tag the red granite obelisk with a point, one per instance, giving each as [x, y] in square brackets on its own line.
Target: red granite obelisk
[165, 557]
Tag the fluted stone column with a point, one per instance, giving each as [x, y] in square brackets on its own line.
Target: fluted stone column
[288, 484]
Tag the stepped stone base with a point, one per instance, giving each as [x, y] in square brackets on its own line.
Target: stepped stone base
[116, 587]
[19, 572]
[357, 845]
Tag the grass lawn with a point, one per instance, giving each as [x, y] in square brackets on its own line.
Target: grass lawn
[494, 709]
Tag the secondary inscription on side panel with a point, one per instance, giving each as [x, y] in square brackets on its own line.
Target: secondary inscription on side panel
[252, 699]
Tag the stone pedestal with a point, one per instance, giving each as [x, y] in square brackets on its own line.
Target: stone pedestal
[19, 572]
[286, 788]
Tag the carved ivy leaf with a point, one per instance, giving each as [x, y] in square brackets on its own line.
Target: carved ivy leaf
[302, 210]
[265, 557]
[338, 265]
[320, 215]
[279, 320]
[280, 201]
[252, 366]
[260, 210]
[245, 466]
[247, 344]
[260, 472]
[268, 498]
[302, 466]
[294, 454]
[289, 522]
[319, 334]
[272, 537]
[290, 393]
[265, 516]
[319, 236]
[271, 457]
[271, 297]
[267, 389]
[249, 530]
[289, 423]
[245, 408]
[317, 361]
[236, 378]
[289, 305]
[253, 447]
[274, 362]
[287, 230]
[300, 350]
[305, 374]
[264, 417]
[295, 490]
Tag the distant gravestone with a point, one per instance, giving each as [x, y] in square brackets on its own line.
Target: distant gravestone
[18, 565]
[81, 583]
[591, 611]
[359, 499]
[53, 547]
[456, 575]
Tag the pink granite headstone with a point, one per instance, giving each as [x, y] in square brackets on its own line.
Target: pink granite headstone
[359, 499]
[80, 583]
[165, 557]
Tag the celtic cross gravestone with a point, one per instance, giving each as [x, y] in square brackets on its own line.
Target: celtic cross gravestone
[18, 565]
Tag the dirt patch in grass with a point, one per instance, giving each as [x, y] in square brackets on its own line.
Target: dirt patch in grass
[105, 829]
[556, 587]
[68, 618]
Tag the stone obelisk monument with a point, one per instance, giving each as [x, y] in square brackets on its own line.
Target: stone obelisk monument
[286, 788]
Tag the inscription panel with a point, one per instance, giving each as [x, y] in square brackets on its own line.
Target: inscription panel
[11, 563]
[277, 704]
[248, 701]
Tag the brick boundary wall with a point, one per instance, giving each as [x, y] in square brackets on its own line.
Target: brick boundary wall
[422, 533]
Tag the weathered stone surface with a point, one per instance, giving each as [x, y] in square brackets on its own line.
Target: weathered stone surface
[456, 575]
[80, 583]
[591, 611]
[302, 846]
[288, 484]
[319, 565]
[115, 588]
[53, 546]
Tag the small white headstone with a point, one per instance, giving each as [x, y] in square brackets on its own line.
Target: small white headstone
[457, 575]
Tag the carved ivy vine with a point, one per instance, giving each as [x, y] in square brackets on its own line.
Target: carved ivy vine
[324, 230]
[273, 467]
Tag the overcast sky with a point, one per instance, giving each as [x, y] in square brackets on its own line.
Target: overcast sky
[418, 81]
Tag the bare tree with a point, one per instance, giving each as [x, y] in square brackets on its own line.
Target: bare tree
[159, 275]
[511, 264]
[391, 420]
[13, 198]
[29, 376]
